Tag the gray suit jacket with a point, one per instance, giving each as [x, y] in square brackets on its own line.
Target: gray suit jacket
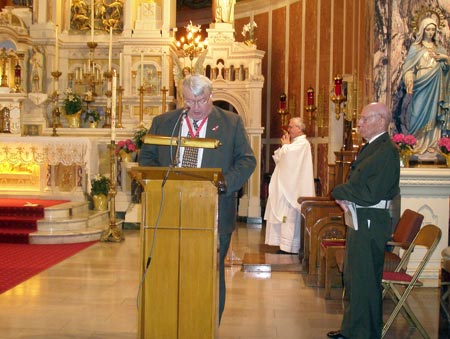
[235, 156]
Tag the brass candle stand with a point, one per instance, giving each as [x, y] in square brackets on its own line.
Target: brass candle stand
[108, 94]
[164, 91]
[56, 113]
[120, 108]
[338, 97]
[114, 232]
[141, 106]
[91, 80]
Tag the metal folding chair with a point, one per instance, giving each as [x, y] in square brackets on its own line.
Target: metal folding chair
[399, 284]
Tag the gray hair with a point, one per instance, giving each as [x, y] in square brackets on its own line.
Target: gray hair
[299, 123]
[198, 84]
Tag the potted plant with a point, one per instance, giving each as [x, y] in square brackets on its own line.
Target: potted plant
[99, 192]
[138, 135]
[444, 148]
[125, 149]
[404, 144]
[72, 107]
[92, 116]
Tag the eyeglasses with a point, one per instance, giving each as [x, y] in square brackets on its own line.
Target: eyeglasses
[366, 118]
[201, 102]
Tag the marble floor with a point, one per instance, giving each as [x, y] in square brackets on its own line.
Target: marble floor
[92, 295]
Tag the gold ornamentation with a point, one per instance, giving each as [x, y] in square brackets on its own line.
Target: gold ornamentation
[405, 156]
[74, 119]
[100, 202]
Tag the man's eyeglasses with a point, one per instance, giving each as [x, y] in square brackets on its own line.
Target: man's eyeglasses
[366, 118]
[201, 102]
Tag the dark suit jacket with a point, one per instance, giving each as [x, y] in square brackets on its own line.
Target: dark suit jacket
[235, 156]
[373, 176]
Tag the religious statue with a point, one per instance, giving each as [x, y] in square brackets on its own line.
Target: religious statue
[37, 64]
[223, 10]
[424, 109]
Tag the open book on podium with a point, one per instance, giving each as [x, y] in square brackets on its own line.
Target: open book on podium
[179, 296]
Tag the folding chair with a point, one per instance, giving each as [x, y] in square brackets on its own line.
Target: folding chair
[427, 237]
[332, 253]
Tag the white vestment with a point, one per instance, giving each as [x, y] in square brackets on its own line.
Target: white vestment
[292, 178]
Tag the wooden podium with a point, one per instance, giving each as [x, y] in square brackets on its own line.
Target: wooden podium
[179, 296]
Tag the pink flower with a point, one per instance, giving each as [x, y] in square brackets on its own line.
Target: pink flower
[444, 145]
[403, 141]
[127, 146]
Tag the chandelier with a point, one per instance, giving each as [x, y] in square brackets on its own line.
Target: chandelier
[192, 44]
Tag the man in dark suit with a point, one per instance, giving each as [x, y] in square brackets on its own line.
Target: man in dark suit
[235, 156]
[373, 181]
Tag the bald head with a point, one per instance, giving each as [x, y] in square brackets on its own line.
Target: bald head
[374, 119]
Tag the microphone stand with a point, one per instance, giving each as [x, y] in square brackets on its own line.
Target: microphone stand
[176, 158]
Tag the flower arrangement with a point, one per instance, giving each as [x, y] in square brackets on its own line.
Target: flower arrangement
[404, 142]
[248, 31]
[444, 144]
[72, 102]
[100, 185]
[92, 115]
[127, 146]
[138, 135]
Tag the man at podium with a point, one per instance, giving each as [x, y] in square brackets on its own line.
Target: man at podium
[201, 119]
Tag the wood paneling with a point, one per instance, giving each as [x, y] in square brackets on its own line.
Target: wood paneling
[310, 62]
[295, 58]
[277, 83]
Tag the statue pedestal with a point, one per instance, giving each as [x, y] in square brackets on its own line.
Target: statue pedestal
[220, 32]
[427, 190]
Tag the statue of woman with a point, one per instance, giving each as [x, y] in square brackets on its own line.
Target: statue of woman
[424, 75]
[223, 10]
[37, 64]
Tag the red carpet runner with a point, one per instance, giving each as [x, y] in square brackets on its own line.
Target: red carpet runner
[19, 262]
[18, 218]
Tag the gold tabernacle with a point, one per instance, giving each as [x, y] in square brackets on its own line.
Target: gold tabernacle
[189, 142]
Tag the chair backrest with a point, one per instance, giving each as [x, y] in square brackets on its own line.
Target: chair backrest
[428, 237]
[407, 227]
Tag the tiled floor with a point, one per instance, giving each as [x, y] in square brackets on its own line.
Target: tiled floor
[92, 295]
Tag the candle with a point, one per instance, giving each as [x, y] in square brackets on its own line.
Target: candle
[110, 50]
[120, 70]
[92, 20]
[142, 68]
[310, 94]
[113, 105]
[56, 49]
[338, 85]
[283, 101]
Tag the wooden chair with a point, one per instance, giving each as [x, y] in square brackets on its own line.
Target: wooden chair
[333, 253]
[427, 237]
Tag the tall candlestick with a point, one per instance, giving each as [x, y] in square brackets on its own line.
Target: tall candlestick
[113, 105]
[56, 49]
[110, 50]
[92, 20]
[142, 68]
[120, 70]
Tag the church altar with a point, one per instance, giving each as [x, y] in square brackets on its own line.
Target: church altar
[46, 165]
[427, 190]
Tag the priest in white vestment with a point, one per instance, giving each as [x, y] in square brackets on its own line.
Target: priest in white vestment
[292, 178]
